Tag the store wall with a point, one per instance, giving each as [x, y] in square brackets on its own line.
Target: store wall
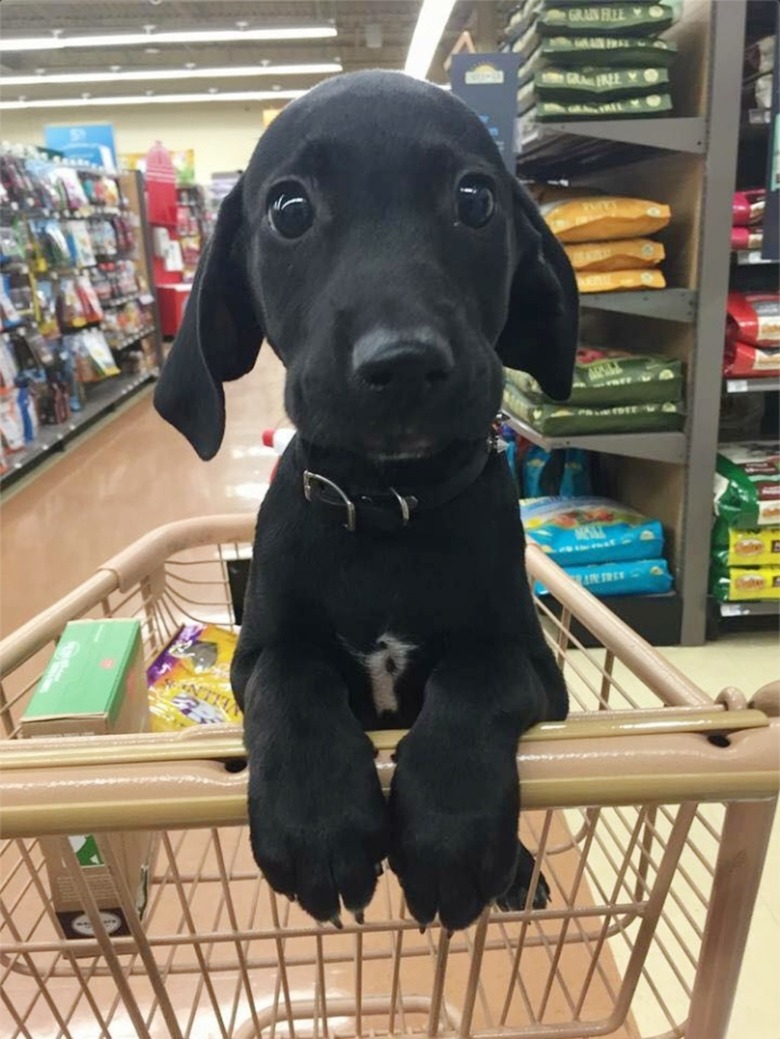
[222, 135]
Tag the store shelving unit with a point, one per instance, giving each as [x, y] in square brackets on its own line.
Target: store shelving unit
[655, 447]
[689, 161]
[103, 396]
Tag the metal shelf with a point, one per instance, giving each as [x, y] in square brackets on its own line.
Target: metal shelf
[761, 384]
[655, 447]
[671, 133]
[601, 143]
[665, 304]
[761, 608]
[103, 398]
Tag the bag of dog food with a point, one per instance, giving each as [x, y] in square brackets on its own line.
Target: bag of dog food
[747, 238]
[619, 281]
[747, 207]
[747, 485]
[753, 317]
[760, 547]
[588, 51]
[743, 361]
[606, 19]
[598, 218]
[189, 682]
[563, 472]
[525, 97]
[623, 254]
[745, 584]
[582, 531]
[633, 108]
[641, 577]
[604, 377]
[598, 84]
[564, 420]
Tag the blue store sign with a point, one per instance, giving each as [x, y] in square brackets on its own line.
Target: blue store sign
[91, 141]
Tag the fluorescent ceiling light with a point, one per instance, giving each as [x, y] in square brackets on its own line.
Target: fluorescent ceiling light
[232, 71]
[154, 99]
[142, 39]
[431, 22]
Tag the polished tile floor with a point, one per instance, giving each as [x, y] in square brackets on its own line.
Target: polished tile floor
[135, 473]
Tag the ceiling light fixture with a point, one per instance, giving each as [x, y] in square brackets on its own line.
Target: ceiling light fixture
[190, 71]
[431, 23]
[148, 99]
[132, 39]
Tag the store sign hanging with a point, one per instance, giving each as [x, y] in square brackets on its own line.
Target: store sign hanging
[488, 85]
[93, 142]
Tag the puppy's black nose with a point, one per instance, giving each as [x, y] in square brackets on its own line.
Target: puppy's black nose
[419, 360]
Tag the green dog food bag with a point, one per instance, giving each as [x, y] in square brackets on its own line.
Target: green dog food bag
[610, 378]
[599, 84]
[628, 108]
[747, 485]
[607, 19]
[568, 420]
[586, 51]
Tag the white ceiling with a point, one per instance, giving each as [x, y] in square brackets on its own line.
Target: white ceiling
[360, 25]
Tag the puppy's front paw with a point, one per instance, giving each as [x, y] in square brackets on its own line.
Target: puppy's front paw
[516, 895]
[318, 822]
[453, 831]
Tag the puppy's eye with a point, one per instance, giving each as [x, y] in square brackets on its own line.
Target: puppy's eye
[475, 200]
[289, 210]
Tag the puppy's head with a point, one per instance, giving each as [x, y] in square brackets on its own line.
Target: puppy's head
[380, 246]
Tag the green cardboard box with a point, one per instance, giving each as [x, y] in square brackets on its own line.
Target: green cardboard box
[95, 684]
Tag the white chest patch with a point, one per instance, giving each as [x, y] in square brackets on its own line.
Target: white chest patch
[385, 666]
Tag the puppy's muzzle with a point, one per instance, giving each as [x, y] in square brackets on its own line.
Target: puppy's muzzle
[410, 364]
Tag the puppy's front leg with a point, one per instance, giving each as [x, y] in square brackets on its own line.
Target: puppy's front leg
[455, 796]
[317, 815]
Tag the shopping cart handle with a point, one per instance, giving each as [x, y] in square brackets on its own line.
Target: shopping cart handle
[225, 742]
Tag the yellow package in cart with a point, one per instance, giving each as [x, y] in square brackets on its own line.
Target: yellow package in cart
[189, 682]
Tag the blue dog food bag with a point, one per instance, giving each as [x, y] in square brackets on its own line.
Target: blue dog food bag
[581, 531]
[634, 577]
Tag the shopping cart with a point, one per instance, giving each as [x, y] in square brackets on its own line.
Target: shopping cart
[650, 811]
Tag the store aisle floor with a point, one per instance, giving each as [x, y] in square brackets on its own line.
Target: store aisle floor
[136, 473]
[133, 474]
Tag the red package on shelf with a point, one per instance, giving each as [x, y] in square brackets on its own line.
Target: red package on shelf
[746, 238]
[747, 207]
[745, 361]
[754, 318]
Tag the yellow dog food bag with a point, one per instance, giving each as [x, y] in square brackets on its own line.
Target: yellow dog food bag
[624, 254]
[619, 281]
[601, 218]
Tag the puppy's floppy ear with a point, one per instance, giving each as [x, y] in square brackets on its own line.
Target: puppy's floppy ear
[540, 334]
[219, 338]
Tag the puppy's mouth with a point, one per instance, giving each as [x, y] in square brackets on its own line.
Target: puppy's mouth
[399, 448]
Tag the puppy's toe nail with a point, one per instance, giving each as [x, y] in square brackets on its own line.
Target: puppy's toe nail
[336, 921]
[449, 934]
[360, 917]
[423, 930]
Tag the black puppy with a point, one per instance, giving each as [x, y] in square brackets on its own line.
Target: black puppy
[393, 264]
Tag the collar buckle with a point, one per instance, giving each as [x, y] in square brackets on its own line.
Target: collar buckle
[310, 480]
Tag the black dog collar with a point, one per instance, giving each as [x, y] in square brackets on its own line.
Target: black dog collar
[392, 509]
